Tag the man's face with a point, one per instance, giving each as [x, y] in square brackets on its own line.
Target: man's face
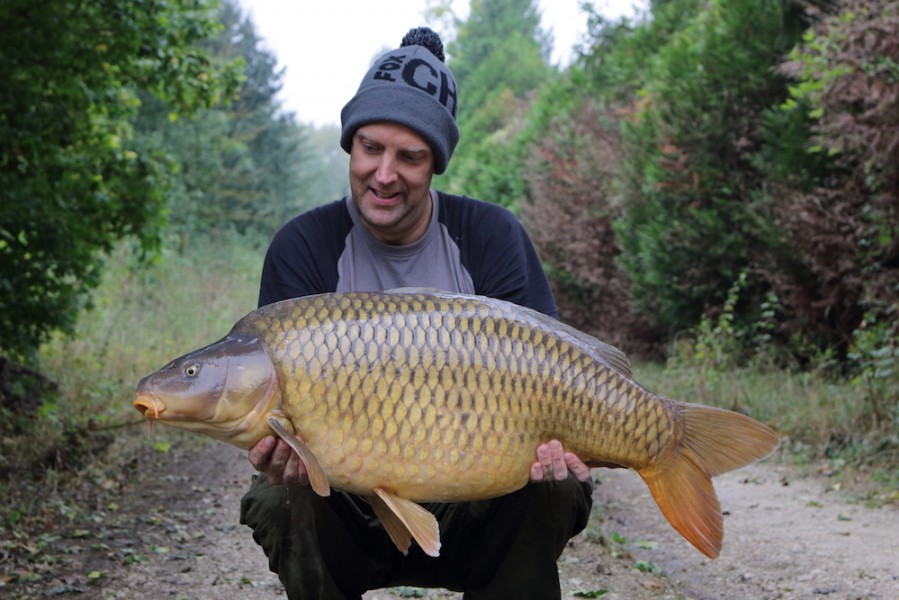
[390, 176]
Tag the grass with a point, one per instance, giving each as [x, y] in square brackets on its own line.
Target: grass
[143, 317]
[824, 419]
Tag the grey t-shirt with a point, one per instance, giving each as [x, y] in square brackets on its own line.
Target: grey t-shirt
[370, 265]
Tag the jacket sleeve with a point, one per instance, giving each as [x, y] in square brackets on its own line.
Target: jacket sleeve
[496, 250]
[302, 258]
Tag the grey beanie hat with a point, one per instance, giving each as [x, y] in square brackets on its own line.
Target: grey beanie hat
[413, 87]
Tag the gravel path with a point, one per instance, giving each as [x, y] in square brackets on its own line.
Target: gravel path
[175, 535]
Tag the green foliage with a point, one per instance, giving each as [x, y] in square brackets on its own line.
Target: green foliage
[849, 63]
[615, 55]
[499, 58]
[846, 71]
[590, 593]
[72, 178]
[728, 341]
[489, 163]
[830, 156]
[876, 351]
[499, 45]
[785, 154]
[688, 176]
[239, 165]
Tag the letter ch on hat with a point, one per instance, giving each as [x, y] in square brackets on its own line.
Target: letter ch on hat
[413, 87]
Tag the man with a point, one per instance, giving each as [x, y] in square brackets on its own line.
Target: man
[394, 231]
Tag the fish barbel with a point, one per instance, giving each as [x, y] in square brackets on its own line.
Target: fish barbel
[420, 395]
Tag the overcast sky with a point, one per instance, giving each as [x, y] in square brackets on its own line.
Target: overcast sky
[326, 47]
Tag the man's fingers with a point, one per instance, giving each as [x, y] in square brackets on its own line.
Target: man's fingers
[577, 467]
[553, 463]
[550, 463]
[278, 461]
[260, 454]
[558, 470]
[280, 455]
[540, 466]
[295, 471]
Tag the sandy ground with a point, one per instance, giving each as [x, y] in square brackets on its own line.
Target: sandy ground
[174, 534]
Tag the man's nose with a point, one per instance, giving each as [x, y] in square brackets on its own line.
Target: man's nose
[386, 172]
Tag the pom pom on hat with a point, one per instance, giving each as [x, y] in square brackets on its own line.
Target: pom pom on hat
[413, 87]
[426, 37]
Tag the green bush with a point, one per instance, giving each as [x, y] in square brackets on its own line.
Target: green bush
[688, 178]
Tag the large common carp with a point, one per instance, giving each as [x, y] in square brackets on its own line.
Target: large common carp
[420, 395]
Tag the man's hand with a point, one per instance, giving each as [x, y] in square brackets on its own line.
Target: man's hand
[553, 463]
[278, 461]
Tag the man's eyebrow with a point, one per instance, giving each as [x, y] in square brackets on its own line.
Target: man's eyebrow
[416, 150]
[366, 138]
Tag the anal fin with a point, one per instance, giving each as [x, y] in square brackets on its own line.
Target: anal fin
[317, 478]
[405, 520]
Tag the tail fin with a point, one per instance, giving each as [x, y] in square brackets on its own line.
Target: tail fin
[714, 441]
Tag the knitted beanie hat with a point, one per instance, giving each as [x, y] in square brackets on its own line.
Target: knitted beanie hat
[413, 87]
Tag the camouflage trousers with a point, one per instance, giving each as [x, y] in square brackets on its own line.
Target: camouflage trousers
[334, 548]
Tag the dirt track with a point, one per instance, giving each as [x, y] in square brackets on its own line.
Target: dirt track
[175, 534]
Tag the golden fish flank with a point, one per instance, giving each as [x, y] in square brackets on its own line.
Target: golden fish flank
[432, 396]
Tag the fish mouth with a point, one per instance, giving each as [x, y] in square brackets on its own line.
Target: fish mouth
[148, 406]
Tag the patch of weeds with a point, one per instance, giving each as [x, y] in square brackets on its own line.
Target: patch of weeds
[95, 576]
[593, 531]
[130, 557]
[590, 593]
[618, 547]
[646, 566]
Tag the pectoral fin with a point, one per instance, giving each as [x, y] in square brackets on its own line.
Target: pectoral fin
[317, 478]
[404, 520]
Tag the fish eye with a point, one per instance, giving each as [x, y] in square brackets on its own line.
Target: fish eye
[192, 369]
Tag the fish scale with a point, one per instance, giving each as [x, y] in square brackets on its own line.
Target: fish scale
[420, 395]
